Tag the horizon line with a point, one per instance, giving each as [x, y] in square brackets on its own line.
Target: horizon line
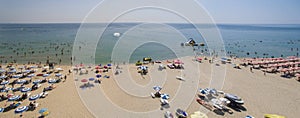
[144, 22]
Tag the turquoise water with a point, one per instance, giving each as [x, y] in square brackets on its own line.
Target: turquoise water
[54, 42]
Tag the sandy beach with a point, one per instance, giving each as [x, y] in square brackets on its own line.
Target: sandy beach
[262, 94]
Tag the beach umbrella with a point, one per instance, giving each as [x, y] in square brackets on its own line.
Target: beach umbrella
[177, 61]
[36, 81]
[6, 89]
[12, 98]
[21, 109]
[108, 64]
[25, 90]
[97, 67]
[44, 112]
[4, 82]
[98, 76]
[199, 59]
[40, 74]
[3, 77]
[165, 96]
[59, 69]
[45, 75]
[157, 88]
[224, 58]
[21, 81]
[16, 76]
[32, 66]
[58, 75]
[84, 80]
[12, 71]
[1, 109]
[2, 70]
[52, 81]
[26, 71]
[91, 79]
[30, 75]
[34, 97]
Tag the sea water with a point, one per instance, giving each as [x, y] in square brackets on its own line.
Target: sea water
[54, 42]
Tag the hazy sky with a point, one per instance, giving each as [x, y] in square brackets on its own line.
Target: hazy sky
[222, 11]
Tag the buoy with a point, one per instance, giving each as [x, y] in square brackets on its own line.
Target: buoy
[117, 34]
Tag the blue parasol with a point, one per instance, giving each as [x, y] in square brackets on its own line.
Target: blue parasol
[3, 77]
[1, 109]
[4, 82]
[36, 81]
[157, 88]
[12, 71]
[31, 75]
[21, 81]
[25, 90]
[57, 75]
[52, 81]
[43, 110]
[21, 109]
[45, 75]
[14, 98]
[2, 70]
[165, 96]
[91, 79]
[98, 76]
[34, 97]
[16, 76]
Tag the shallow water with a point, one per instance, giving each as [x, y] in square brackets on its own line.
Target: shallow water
[54, 42]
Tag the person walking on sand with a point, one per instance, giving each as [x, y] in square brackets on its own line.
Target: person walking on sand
[251, 69]
[65, 77]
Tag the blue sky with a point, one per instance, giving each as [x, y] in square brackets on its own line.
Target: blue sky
[222, 11]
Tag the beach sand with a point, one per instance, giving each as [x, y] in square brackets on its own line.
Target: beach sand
[262, 94]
